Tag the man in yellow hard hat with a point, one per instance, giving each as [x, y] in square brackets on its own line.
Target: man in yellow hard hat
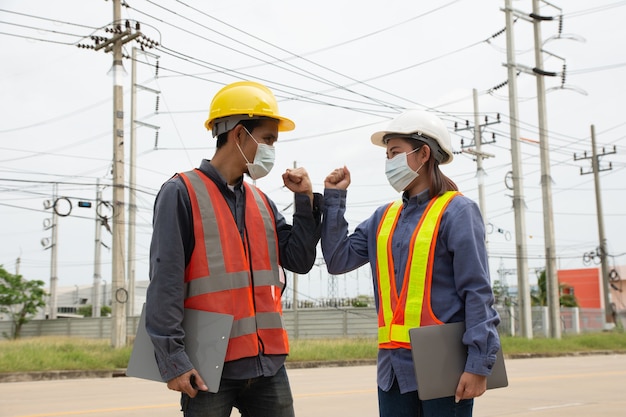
[219, 245]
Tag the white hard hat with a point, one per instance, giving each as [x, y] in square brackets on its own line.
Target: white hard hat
[419, 125]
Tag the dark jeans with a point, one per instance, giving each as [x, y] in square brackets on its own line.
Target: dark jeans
[255, 397]
[394, 404]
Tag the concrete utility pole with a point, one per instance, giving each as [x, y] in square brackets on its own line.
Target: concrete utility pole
[132, 195]
[552, 283]
[118, 280]
[523, 287]
[132, 182]
[475, 149]
[480, 172]
[118, 290]
[295, 282]
[119, 293]
[609, 320]
[97, 264]
[53, 254]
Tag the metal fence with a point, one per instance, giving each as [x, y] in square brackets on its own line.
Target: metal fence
[317, 323]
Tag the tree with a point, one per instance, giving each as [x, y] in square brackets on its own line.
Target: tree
[85, 311]
[501, 293]
[540, 297]
[20, 299]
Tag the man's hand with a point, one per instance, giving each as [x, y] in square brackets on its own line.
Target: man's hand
[339, 179]
[470, 386]
[189, 383]
[297, 180]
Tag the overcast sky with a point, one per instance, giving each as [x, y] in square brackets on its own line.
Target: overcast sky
[341, 70]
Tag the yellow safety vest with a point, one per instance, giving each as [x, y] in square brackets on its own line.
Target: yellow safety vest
[398, 314]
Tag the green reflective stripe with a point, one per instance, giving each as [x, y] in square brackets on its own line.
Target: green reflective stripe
[383, 241]
[269, 320]
[213, 245]
[423, 241]
[419, 264]
[399, 332]
[383, 334]
[204, 285]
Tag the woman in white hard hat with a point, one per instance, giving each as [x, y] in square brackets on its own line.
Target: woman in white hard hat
[429, 264]
[219, 245]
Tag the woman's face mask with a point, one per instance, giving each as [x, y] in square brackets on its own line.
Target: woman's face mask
[263, 159]
[399, 173]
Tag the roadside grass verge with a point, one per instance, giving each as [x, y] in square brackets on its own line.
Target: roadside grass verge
[60, 353]
[71, 353]
[614, 341]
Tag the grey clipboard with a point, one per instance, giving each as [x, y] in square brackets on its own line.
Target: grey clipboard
[439, 358]
[206, 341]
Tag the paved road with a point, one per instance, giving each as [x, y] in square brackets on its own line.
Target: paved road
[573, 386]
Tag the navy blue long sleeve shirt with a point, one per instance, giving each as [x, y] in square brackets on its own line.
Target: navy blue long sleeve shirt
[461, 289]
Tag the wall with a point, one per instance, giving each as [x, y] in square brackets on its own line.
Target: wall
[586, 284]
[311, 323]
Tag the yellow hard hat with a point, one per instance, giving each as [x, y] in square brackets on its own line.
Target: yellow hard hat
[240, 101]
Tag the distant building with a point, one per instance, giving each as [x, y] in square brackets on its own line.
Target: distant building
[71, 299]
[587, 286]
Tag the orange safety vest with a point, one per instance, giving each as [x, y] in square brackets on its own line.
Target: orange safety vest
[398, 314]
[230, 276]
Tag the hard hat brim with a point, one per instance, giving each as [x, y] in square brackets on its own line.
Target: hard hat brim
[446, 157]
[377, 138]
[284, 124]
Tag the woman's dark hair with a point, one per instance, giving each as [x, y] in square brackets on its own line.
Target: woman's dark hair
[439, 183]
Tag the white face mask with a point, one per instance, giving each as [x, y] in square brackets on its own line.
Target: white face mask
[263, 159]
[399, 173]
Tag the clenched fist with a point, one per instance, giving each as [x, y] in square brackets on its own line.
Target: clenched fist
[339, 179]
[297, 180]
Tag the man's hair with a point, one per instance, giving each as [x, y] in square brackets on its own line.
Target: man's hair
[249, 124]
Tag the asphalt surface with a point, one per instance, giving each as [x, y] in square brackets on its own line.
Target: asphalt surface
[576, 386]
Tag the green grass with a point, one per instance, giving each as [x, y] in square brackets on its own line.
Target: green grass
[332, 349]
[60, 353]
[611, 341]
[65, 353]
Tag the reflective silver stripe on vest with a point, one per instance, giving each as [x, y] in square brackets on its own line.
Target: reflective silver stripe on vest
[269, 320]
[206, 285]
[266, 277]
[214, 253]
[249, 325]
[243, 326]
